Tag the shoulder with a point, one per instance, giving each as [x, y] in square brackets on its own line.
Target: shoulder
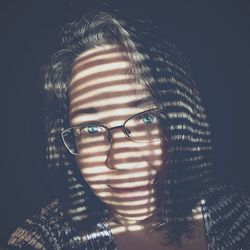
[226, 212]
[53, 229]
[38, 231]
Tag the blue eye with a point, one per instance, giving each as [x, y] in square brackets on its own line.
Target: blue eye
[147, 118]
[93, 129]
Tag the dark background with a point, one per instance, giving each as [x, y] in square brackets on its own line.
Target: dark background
[214, 36]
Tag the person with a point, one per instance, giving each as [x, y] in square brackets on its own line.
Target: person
[129, 148]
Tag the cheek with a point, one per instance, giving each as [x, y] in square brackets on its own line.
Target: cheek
[155, 154]
[93, 170]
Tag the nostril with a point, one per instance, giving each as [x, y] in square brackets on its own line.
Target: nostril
[109, 164]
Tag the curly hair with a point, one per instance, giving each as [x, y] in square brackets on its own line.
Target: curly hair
[158, 65]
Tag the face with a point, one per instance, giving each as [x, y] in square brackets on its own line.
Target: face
[120, 171]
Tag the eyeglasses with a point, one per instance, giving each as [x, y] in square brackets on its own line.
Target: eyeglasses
[142, 127]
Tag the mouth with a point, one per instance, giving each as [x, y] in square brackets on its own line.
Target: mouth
[129, 189]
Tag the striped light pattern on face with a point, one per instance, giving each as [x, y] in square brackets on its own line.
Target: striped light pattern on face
[121, 172]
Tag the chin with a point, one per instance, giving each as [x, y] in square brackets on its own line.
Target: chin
[132, 219]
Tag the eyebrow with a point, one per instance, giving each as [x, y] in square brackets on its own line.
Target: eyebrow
[83, 111]
[136, 103]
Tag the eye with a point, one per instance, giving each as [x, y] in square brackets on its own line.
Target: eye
[148, 118]
[91, 129]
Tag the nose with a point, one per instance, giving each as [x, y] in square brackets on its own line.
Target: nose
[123, 153]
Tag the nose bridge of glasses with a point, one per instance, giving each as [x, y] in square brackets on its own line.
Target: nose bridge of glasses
[110, 134]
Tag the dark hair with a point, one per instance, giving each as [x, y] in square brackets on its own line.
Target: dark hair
[157, 64]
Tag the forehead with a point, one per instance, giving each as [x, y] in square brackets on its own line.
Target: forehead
[100, 67]
[101, 81]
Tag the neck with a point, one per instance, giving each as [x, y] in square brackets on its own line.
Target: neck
[119, 224]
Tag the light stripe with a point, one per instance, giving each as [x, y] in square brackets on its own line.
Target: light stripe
[108, 55]
[117, 88]
[134, 203]
[97, 81]
[104, 169]
[99, 68]
[127, 155]
[129, 176]
[136, 211]
[100, 48]
[131, 195]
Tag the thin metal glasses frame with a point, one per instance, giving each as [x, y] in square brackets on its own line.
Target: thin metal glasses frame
[123, 127]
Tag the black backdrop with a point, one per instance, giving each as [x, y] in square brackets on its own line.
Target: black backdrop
[214, 36]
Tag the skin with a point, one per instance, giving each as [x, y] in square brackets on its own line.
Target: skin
[120, 173]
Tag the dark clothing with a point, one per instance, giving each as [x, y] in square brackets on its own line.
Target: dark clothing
[226, 227]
